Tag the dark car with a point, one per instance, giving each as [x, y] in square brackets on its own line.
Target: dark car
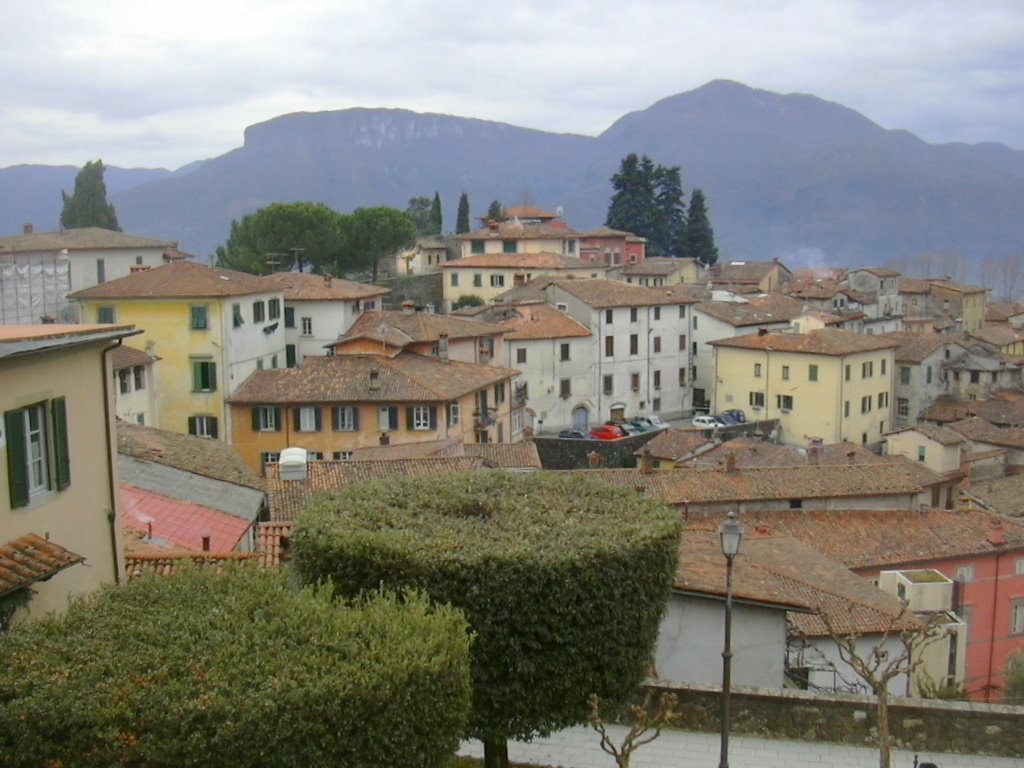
[737, 415]
[725, 419]
[628, 427]
[574, 434]
[608, 432]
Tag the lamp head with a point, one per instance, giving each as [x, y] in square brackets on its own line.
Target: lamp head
[731, 534]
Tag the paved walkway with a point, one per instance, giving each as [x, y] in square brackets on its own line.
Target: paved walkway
[580, 748]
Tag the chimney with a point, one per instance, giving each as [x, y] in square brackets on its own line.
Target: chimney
[408, 307]
[812, 455]
[27, 229]
[850, 456]
[646, 462]
[996, 535]
[762, 531]
[327, 280]
[374, 380]
[762, 331]
[385, 439]
[442, 347]
[206, 542]
[730, 463]
[137, 268]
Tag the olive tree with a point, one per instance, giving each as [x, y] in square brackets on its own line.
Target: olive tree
[235, 671]
[563, 579]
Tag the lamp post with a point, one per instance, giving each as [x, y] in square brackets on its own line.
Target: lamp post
[731, 534]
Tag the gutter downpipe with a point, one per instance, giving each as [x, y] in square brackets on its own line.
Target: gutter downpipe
[112, 457]
[992, 628]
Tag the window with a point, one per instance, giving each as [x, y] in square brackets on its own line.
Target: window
[476, 246]
[497, 281]
[37, 450]
[105, 315]
[565, 388]
[609, 346]
[846, 409]
[1017, 617]
[883, 400]
[101, 271]
[865, 404]
[290, 357]
[266, 418]
[634, 344]
[867, 370]
[682, 377]
[563, 352]
[905, 375]
[607, 381]
[139, 376]
[269, 457]
[307, 326]
[796, 503]
[198, 320]
[657, 343]
[757, 369]
[387, 418]
[453, 279]
[975, 376]
[307, 419]
[695, 322]
[757, 399]
[682, 342]
[883, 366]
[204, 376]
[784, 402]
[656, 403]
[657, 313]
[236, 315]
[902, 407]
[785, 372]
[516, 418]
[124, 381]
[203, 426]
[341, 455]
[453, 414]
[508, 246]
[499, 393]
[633, 314]
[812, 373]
[345, 418]
[289, 317]
[608, 316]
[693, 348]
[965, 573]
[421, 417]
[478, 280]
[258, 311]
[846, 373]
[657, 381]
[928, 374]
[634, 381]
[921, 453]
[274, 309]
[521, 355]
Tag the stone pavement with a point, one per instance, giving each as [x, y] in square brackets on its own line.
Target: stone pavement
[580, 748]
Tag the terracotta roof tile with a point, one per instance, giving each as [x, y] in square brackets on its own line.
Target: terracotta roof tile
[302, 286]
[514, 230]
[405, 378]
[539, 260]
[940, 435]
[758, 310]
[123, 356]
[600, 293]
[541, 321]
[181, 523]
[420, 326]
[521, 455]
[757, 453]
[81, 239]
[288, 497]
[827, 341]
[31, 558]
[167, 564]
[743, 271]
[915, 347]
[980, 431]
[996, 411]
[179, 279]
[673, 444]
[430, 449]
[657, 267]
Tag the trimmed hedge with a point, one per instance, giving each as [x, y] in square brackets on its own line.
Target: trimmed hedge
[563, 579]
[234, 671]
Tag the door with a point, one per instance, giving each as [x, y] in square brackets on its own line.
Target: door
[580, 418]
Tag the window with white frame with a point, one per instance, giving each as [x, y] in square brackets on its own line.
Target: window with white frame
[266, 418]
[965, 574]
[497, 281]
[757, 399]
[517, 421]
[1018, 566]
[1017, 617]
[307, 419]
[307, 326]
[345, 418]
[420, 417]
[902, 407]
[454, 414]
[784, 402]
[274, 309]
[203, 426]
[342, 455]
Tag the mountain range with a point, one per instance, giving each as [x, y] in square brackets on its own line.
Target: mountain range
[787, 176]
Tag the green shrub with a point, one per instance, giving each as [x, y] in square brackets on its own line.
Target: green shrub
[235, 671]
[563, 579]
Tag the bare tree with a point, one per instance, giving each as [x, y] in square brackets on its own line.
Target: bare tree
[878, 665]
[649, 720]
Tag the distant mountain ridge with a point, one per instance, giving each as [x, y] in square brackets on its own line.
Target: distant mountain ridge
[789, 176]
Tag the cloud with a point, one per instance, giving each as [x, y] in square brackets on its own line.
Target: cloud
[143, 84]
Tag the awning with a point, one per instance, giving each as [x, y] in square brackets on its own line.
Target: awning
[32, 558]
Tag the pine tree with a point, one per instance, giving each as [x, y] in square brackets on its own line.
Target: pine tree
[462, 219]
[700, 237]
[435, 224]
[88, 206]
[669, 230]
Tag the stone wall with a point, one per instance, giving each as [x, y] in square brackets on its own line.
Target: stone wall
[566, 453]
[922, 725]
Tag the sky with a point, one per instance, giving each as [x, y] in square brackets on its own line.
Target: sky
[141, 84]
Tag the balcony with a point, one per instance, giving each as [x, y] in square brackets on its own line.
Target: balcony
[481, 421]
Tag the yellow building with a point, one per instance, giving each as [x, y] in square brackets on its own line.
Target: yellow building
[210, 328]
[826, 385]
[60, 532]
[490, 275]
[332, 406]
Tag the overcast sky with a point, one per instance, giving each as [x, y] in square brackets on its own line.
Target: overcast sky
[147, 84]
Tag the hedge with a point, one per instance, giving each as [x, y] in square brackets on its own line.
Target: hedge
[235, 670]
[563, 579]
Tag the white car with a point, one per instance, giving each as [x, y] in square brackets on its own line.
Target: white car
[705, 422]
[653, 421]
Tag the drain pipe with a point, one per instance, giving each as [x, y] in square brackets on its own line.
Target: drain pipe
[112, 457]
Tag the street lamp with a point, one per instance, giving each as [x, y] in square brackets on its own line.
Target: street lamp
[731, 534]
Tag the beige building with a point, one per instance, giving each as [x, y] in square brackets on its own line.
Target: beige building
[938, 448]
[490, 275]
[59, 507]
[825, 386]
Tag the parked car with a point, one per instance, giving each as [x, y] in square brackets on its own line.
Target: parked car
[737, 415]
[574, 434]
[725, 419]
[642, 426]
[705, 422]
[653, 421]
[608, 432]
[629, 427]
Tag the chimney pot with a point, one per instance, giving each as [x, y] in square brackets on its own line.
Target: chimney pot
[996, 534]
[812, 455]
[206, 542]
[409, 307]
[27, 229]
[374, 380]
[730, 463]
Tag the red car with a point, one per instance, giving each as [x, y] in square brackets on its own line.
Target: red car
[608, 432]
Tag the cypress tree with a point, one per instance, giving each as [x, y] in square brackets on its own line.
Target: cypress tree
[462, 219]
[700, 237]
[88, 206]
[435, 223]
[669, 231]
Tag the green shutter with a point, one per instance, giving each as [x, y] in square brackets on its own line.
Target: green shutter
[277, 419]
[61, 453]
[318, 419]
[197, 383]
[192, 424]
[355, 417]
[213, 376]
[255, 419]
[296, 419]
[393, 417]
[214, 433]
[408, 418]
[17, 458]
[433, 417]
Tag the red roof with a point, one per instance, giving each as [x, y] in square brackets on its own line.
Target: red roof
[180, 522]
